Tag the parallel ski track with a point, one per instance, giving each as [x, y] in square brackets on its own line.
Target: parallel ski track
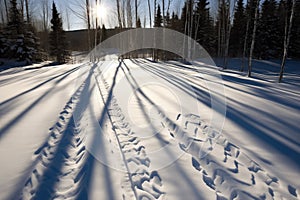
[61, 162]
[144, 183]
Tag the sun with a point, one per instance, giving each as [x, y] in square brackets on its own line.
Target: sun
[101, 11]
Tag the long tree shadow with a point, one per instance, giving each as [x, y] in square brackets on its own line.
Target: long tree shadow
[10, 124]
[135, 86]
[98, 145]
[63, 75]
[53, 172]
[194, 91]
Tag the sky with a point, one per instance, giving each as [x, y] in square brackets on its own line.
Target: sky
[109, 18]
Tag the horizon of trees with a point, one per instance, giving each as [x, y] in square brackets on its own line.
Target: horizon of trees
[262, 29]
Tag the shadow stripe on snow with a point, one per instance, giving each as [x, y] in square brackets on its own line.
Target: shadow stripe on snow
[144, 183]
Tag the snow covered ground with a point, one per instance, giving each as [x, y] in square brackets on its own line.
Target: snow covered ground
[144, 130]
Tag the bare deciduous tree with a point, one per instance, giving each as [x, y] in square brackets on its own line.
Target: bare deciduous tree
[149, 7]
[287, 36]
[246, 35]
[45, 14]
[253, 39]
[27, 11]
[119, 13]
[129, 13]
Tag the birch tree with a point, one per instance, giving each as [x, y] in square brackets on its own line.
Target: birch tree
[88, 16]
[119, 13]
[253, 38]
[27, 11]
[149, 7]
[287, 36]
[249, 2]
[129, 14]
[6, 9]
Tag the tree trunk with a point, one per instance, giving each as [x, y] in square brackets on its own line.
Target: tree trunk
[6, 10]
[129, 14]
[287, 36]
[136, 13]
[246, 38]
[96, 28]
[253, 39]
[228, 23]
[149, 7]
[87, 5]
[27, 11]
[163, 13]
[119, 13]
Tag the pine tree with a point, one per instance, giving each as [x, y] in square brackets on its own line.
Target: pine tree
[103, 33]
[281, 13]
[158, 18]
[57, 38]
[267, 32]
[138, 23]
[186, 24]
[204, 29]
[21, 41]
[294, 49]
[175, 22]
[168, 20]
[237, 36]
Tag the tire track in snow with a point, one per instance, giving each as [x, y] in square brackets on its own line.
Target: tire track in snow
[144, 183]
[59, 173]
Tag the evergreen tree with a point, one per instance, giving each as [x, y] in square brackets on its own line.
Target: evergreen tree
[237, 36]
[267, 33]
[175, 22]
[186, 18]
[281, 12]
[138, 23]
[57, 38]
[158, 18]
[168, 20]
[204, 29]
[20, 40]
[103, 33]
[294, 50]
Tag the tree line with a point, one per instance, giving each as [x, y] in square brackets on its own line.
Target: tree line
[262, 29]
[19, 40]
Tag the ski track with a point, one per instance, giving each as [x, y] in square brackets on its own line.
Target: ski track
[146, 184]
[59, 170]
[59, 165]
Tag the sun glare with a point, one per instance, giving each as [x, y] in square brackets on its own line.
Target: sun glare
[101, 11]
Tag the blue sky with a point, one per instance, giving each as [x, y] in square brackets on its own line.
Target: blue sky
[110, 18]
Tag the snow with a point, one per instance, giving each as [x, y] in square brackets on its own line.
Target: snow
[145, 130]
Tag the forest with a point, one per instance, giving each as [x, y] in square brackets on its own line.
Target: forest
[260, 29]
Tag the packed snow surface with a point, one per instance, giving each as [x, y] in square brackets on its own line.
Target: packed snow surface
[137, 129]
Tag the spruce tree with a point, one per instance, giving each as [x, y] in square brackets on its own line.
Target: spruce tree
[203, 24]
[294, 50]
[237, 36]
[267, 33]
[186, 18]
[175, 22]
[158, 18]
[58, 44]
[21, 42]
[138, 23]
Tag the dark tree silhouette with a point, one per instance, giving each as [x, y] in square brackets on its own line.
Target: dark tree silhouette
[58, 42]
